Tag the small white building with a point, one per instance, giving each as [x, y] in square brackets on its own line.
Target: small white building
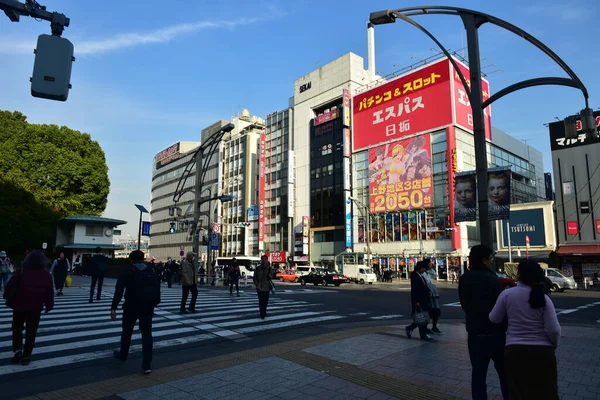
[80, 235]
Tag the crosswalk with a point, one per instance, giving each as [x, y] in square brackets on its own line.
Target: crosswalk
[76, 331]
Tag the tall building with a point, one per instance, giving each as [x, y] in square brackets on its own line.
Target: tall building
[575, 164]
[279, 185]
[167, 169]
[239, 176]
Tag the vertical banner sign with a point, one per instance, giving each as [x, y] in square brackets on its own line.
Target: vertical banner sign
[346, 108]
[452, 170]
[462, 106]
[290, 210]
[499, 194]
[417, 102]
[347, 147]
[348, 209]
[400, 175]
[465, 196]
[261, 193]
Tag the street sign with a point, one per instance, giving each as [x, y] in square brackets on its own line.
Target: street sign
[181, 247]
[145, 228]
[116, 232]
[182, 253]
[44, 245]
[216, 228]
[214, 241]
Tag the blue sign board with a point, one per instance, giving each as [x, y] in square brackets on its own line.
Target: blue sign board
[252, 213]
[214, 241]
[348, 226]
[145, 228]
[525, 223]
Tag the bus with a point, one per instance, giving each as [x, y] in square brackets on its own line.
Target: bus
[247, 264]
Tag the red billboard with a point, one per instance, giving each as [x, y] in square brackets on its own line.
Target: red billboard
[400, 175]
[326, 117]
[276, 256]
[261, 191]
[413, 103]
[462, 106]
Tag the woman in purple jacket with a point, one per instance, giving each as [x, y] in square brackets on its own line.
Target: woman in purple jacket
[533, 335]
[31, 292]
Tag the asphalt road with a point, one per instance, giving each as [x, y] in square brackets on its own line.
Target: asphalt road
[228, 324]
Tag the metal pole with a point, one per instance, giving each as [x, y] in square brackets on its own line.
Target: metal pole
[197, 194]
[471, 23]
[368, 215]
[209, 229]
[140, 232]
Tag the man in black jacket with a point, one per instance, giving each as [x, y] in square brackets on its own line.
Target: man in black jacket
[419, 296]
[479, 289]
[141, 286]
[98, 267]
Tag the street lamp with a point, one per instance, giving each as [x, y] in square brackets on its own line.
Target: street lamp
[367, 216]
[472, 20]
[142, 211]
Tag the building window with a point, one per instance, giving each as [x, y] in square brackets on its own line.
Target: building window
[94, 230]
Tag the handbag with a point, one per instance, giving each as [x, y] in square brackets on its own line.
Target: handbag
[420, 317]
[68, 281]
[10, 297]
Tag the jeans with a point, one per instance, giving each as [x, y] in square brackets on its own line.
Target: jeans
[263, 301]
[31, 320]
[130, 317]
[96, 277]
[185, 290]
[482, 349]
[3, 280]
[235, 282]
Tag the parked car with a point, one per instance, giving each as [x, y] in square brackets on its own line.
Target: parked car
[287, 276]
[322, 276]
[559, 281]
[505, 281]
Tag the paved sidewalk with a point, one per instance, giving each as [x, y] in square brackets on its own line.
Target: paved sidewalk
[376, 362]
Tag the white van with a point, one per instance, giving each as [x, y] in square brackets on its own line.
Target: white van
[360, 273]
[305, 269]
[559, 281]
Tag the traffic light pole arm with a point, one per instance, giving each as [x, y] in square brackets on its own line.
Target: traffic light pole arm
[14, 9]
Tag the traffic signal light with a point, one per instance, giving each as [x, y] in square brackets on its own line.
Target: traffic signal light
[52, 68]
[172, 227]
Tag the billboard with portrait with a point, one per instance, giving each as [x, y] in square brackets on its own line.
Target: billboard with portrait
[498, 194]
[465, 196]
[400, 175]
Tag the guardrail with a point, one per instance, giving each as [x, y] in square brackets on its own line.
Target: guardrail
[219, 280]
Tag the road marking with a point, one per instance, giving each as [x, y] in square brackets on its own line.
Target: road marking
[260, 328]
[389, 316]
[568, 311]
[457, 304]
[358, 314]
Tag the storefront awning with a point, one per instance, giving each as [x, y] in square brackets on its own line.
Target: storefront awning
[533, 255]
[579, 250]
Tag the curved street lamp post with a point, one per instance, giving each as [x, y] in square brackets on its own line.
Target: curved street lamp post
[472, 20]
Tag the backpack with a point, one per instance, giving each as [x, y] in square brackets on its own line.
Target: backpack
[4, 266]
[146, 287]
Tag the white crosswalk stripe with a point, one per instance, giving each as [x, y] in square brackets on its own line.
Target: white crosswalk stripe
[77, 331]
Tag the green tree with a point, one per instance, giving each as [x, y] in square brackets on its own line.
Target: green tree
[63, 170]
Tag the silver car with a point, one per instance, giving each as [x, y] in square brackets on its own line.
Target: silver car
[559, 281]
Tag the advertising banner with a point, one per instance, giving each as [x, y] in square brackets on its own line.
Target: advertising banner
[465, 196]
[326, 117]
[261, 192]
[452, 170]
[346, 107]
[347, 151]
[400, 175]
[348, 221]
[498, 194]
[167, 156]
[290, 166]
[419, 101]
[145, 228]
[252, 213]
[558, 141]
[305, 226]
[290, 209]
[462, 105]
[524, 223]
[276, 256]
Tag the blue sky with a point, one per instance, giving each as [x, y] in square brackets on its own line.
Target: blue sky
[151, 73]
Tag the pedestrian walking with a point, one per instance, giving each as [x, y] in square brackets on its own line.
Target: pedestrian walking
[141, 287]
[213, 274]
[28, 293]
[478, 290]
[533, 335]
[420, 296]
[188, 284]
[60, 269]
[6, 269]
[262, 281]
[171, 268]
[234, 277]
[434, 301]
[98, 266]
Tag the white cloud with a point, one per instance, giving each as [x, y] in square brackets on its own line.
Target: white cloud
[132, 39]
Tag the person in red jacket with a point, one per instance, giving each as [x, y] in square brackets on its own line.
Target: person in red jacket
[31, 292]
